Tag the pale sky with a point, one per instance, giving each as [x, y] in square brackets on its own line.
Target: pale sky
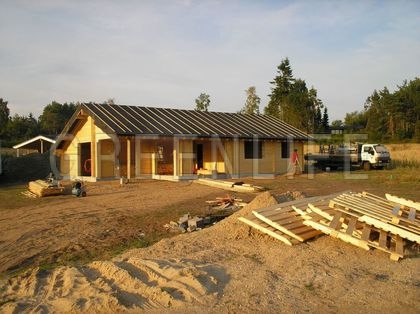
[165, 53]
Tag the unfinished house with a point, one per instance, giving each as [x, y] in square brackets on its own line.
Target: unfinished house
[114, 141]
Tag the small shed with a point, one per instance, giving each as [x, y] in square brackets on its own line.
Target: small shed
[39, 143]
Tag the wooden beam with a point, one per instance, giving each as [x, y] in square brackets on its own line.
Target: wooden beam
[128, 158]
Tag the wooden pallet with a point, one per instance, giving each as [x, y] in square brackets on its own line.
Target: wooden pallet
[285, 221]
[261, 226]
[350, 229]
[379, 212]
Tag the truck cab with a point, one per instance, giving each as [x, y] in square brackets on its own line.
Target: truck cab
[374, 156]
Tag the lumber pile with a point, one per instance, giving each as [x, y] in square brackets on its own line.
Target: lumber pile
[362, 219]
[226, 202]
[43, 188]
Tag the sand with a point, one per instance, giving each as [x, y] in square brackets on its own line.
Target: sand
[227, 268]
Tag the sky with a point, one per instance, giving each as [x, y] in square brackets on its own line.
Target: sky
[166, 53]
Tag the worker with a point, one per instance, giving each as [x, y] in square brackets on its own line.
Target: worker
[295, 157]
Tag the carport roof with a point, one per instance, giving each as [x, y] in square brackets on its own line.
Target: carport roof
[35, 143]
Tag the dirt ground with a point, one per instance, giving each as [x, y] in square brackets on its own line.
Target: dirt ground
[46, 252]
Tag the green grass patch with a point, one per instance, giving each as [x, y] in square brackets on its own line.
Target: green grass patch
[11, 196]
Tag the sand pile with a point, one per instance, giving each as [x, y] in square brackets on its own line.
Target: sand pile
[106, 286]
[137, 279]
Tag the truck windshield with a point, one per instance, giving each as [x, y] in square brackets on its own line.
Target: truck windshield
[380, 149]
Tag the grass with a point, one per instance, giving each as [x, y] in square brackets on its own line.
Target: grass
[11, 197]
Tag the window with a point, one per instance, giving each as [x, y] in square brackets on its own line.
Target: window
[250, 153]
[285, 150]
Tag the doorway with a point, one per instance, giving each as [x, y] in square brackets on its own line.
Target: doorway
[85, 160]
[199, 154]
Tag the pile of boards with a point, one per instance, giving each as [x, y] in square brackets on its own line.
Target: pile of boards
[43, 188]
[362, 219]
[226, 202]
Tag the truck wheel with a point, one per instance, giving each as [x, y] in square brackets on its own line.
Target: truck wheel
[366, 166]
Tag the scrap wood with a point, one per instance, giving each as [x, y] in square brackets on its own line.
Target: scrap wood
[226, 202]
[261, 226]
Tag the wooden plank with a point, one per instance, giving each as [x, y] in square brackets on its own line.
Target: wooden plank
[403, 201]
[278, 226]
[340, 235]
[337, 221]
[351, 225]
[406, 234]
[267, 229]
[320, 212]
[383, 235]
[399, 246]
[366, 232]
[412, 214]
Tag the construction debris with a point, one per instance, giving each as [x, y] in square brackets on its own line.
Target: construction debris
[227, 202]
[238, 186]
[362, 219]
[220, 208]
[188, 223]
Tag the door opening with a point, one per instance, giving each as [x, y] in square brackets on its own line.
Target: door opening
[85, 159]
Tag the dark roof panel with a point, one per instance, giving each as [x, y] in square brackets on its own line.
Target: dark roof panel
[135, 120]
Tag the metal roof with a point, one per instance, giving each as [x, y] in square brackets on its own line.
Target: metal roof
[135, 120]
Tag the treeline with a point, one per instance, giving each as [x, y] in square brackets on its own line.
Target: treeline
[16, 128]
[386, 117]
[389, 117]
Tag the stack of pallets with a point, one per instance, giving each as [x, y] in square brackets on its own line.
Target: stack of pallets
[362, 219]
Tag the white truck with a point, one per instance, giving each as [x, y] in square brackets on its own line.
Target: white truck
[366, 156]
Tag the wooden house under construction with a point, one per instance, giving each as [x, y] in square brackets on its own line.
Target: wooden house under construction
[114, 141]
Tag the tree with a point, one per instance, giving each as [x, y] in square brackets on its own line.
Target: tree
[355, 121]
[277, 105]
[109, 101]
[4, 116]
[55, 116]
[337, 124]
[291, 101]
[325, 120]
[252, 103]
[202, 102]
[21, 128]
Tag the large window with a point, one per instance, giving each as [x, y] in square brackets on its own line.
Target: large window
[253, 149]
